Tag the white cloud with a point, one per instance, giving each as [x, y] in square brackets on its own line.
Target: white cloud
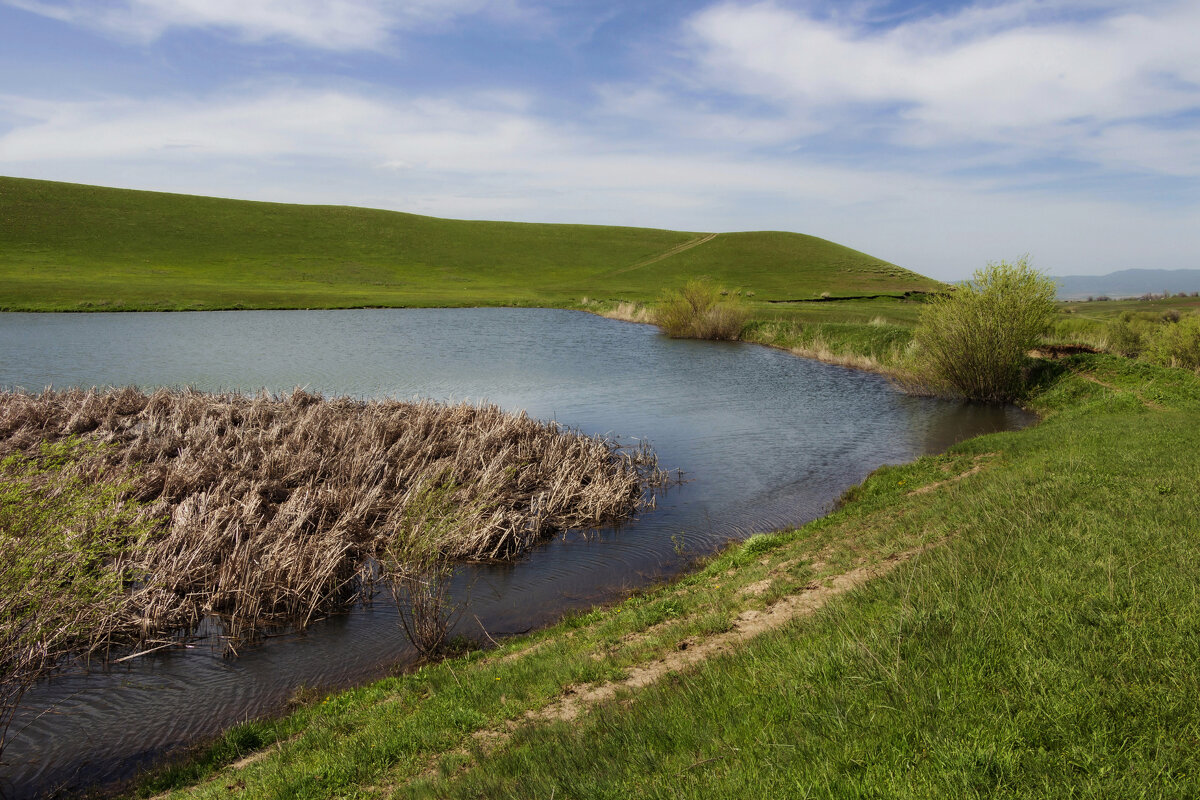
[1003, 74]
[490, 156]
[326, 24]
[425, 131]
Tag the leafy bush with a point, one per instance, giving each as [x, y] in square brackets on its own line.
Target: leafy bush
[1177, 344]
[701, 310]
[1124, 339]
[974, 340]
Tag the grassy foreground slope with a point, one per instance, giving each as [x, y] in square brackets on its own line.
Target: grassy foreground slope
[73, 247]
[1016, 618]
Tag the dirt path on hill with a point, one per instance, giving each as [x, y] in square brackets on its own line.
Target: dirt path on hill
[576, 701]
[674, 251]
[1118, 390]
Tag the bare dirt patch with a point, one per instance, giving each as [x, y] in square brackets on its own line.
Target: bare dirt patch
[748, 624]
[979, 465]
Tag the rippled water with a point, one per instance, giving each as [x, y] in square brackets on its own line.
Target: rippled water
[765, 440]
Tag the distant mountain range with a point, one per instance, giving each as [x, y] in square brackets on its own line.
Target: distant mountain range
[1128, 283]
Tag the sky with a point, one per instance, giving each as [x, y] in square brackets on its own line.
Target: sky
[938, 135]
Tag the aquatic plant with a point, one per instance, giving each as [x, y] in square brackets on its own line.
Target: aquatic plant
[418, 572]
[277, 508]
[65, 574]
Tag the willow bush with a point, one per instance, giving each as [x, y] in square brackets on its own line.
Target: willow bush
[1176, 343]
[701, 310]
[974, 340]
[416, 567]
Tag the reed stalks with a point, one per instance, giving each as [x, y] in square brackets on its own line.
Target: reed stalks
[629, 312]
[64, 569]
[274, 509]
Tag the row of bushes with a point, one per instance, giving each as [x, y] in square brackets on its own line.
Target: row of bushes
[1171, 339]
[973, 340]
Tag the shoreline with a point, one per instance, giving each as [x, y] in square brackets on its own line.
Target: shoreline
[698, 564]
[504, 645]
[733, 553]
[908, 529]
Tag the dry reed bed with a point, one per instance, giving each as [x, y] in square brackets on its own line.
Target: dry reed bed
[275, 507]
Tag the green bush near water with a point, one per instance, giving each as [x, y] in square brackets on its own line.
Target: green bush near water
[701, 310]
[974, 340]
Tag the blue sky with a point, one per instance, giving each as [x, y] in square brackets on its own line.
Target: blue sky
[938, 135]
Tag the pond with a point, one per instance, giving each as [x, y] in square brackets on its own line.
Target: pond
[764, 440]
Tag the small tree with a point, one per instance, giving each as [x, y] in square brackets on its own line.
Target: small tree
[416, 566]
[974, 340]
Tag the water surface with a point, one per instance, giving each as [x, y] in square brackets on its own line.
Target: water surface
[764, 439]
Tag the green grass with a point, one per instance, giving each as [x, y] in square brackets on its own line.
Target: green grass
[1049, 650]
[1087, 322]
[1046, 645]
[68, 247]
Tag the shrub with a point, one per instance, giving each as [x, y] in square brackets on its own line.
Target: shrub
[974, 340]
[1177, 345]
[1124, 340]
[417, 569]
[701, 310]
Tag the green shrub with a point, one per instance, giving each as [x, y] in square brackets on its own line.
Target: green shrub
[701, 310]
[974, 340]
[1177, 344]
[1124, 340]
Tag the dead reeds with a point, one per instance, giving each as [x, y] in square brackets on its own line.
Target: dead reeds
[275, 509]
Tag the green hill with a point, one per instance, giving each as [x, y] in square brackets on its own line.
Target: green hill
[72, 247]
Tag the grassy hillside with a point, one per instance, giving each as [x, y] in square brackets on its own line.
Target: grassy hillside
[72, 247]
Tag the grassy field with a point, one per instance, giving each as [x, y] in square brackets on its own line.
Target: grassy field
[1016, 618]
[1087, 322]
[68, 247]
